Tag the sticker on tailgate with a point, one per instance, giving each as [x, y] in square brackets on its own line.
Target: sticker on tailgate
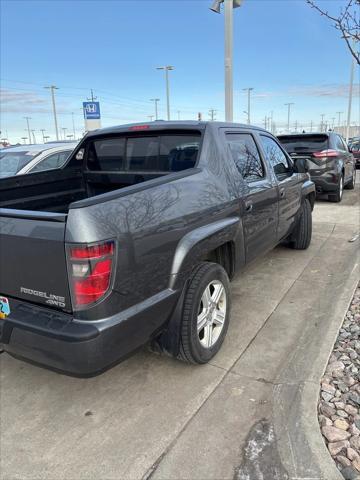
[4, 307]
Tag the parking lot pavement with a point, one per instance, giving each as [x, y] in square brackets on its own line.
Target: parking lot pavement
[152, 416]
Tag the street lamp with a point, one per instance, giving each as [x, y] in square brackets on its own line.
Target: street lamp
[53, 88]
[288, 121]
[28, 128]
[350, 95]
[229, 94]
[248, 90]
[155, 100]
[167, 68]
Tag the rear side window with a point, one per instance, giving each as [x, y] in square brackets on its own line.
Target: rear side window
[57, 160]
[276, 157]
[304, 143]
[246, 156]
[158, 153]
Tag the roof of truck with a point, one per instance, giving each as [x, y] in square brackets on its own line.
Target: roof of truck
[164, 124]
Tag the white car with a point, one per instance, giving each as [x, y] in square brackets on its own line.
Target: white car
[34, 158]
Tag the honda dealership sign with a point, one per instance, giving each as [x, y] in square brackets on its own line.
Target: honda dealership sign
[92, 115]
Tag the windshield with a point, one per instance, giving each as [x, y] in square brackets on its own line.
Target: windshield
[304, 143]
[12, 162]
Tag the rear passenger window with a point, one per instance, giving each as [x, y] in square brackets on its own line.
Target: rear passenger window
[160, 153]
[57, 160]
[107, 155]
[246, 156]
[276, 157]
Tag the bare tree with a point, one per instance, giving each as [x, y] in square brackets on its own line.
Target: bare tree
[347, 22]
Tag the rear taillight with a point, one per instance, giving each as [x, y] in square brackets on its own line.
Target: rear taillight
[326, 153]
[90, 268]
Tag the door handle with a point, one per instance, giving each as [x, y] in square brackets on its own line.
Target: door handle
[282, 192]
[248, 206]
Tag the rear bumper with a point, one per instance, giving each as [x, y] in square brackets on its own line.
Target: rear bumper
[327, 182]
[58, 341]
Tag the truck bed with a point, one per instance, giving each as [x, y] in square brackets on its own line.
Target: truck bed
[55, 190]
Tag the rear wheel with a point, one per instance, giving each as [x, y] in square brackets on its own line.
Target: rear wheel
[206, 313]
[351, 184]
[337, 197]
[301, 237]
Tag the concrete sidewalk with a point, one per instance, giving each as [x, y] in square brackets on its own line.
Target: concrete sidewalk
[243, 415]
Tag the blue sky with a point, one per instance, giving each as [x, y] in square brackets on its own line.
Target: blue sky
[282, 48]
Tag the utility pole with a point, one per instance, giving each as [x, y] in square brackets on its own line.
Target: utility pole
[155, 100]
[28, 128]
[42, 130]
[33, 134]
[53, 88]
[167, 68]
[271, 122]
[73, 124]
[212, 113]
[178, 112]
[92, 98]
[265, 122]
[322, 115]
[296, 125]
[248, 90]
[311, 126]
[288, 120]
[229, 94]
[333, 123]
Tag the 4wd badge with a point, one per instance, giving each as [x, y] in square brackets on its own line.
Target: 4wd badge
[4, 307]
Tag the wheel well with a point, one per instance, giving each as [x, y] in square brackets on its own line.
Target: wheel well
[225, 256]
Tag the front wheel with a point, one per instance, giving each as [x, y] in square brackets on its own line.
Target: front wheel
[337, 196]
[301, 237]
[206, 313]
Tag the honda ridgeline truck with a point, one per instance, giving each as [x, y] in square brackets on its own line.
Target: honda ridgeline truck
[135, 239]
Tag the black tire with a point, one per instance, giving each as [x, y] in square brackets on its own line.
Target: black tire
[337, 196]
[351, 184]
[191, 350]
[301, 237]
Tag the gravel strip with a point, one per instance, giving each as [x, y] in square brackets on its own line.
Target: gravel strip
[339, 403]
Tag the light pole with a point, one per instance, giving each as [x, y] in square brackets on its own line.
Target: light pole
[155, 100]
[64, 130]
[53, 88]
[33, 134]
[229, 94]
[167, 68]
[339, 117]
[24, 139]
[42, 130]
[289, 107]
[178, 112]
[350, 96]
[28, 128]
[248, 90]
[73, 124]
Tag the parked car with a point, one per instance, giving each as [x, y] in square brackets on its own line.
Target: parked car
[355, 150]
[331, 164]
[135, 240]
[33, 158]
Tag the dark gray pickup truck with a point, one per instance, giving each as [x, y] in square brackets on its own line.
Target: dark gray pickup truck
[135, 239]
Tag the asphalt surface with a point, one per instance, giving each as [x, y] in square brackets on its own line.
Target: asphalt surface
[154, 417]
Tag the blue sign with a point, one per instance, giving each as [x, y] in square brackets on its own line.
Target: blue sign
[91, 110]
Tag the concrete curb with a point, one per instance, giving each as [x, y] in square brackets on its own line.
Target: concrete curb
[301, 447]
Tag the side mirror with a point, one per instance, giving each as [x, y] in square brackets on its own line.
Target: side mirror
[301, 165]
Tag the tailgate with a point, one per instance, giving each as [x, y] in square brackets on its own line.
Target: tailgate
[32, 258]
